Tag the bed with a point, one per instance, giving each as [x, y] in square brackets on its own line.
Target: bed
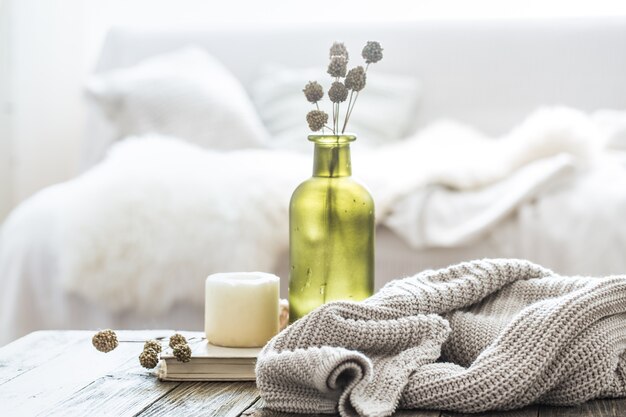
[488, 75]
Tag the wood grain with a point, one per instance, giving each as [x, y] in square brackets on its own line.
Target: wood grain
[53, 381]
[32, 350]
[61, 374]
[531, 411]
[596, 408]
[219, 399]
[127, 391]
[258, 410]
[416, 413]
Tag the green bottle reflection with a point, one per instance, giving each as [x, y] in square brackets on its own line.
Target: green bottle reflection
[331, 232]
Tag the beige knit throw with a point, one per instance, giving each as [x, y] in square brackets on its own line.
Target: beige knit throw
[481, 335]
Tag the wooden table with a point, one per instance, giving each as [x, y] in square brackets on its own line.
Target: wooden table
[59, 373]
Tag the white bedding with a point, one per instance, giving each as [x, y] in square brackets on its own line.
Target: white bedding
[437, 216]
[129, 243]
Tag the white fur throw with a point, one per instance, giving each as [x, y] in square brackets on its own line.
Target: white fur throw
[145, 227]
[482, 335]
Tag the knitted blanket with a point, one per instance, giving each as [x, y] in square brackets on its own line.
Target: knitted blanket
[477, 336]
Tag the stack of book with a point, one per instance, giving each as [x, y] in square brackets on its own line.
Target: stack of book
[210, 363]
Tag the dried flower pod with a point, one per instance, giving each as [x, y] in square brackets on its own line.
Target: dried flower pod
[372, 52]
[283, 318]
[105, 340]
[313, 92]
[338, 66]
[338, 92]
[316, 119]
[182, 352]
[355, 80]
[149, 358]
[177, 339]
[339, 49]
[154, 345]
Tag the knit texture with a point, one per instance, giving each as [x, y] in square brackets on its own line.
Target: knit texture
[481, 335]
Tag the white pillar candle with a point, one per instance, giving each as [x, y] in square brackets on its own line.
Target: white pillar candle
[241, 308]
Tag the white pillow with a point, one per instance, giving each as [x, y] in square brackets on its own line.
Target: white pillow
[384, 112]
[187, 94]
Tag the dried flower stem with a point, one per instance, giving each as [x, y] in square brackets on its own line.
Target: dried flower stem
[330, 197]
[349, 111]
[335, 114]
[345, 122]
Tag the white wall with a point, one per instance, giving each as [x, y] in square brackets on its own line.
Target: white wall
[46, 72]
[6, 179]
[53, 45]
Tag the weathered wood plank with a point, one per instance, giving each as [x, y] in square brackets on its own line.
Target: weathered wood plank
[263, 412]
[78, 366]
[127, 391]
[220, 399]
[32, 350]
[417, 413]
[596, 408]
[250, 410]
[61, 374]
[257, 410]
[530, 411]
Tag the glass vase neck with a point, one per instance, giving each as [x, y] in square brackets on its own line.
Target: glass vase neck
[332, 155]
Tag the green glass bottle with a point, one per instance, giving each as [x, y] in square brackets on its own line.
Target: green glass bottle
[331, 232]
